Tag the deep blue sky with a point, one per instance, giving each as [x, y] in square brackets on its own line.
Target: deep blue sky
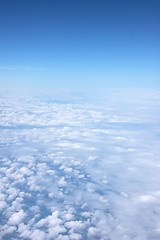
[64, 43]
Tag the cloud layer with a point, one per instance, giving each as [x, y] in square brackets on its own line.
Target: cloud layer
[72, 170]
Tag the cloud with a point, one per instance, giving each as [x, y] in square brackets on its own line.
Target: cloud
[13, 192]
[21, 68]
[68, 171]
[3, 205]
[92, 232]
[76, 225]
[17, 218]
[75, 236]
[37, 235]
[62, 182]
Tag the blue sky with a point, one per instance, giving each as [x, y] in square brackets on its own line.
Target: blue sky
[64, 43]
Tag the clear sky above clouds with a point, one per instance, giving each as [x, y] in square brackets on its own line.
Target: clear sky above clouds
[64, 43]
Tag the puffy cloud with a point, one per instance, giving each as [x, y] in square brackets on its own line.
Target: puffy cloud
[25, 171]
[13, 193]
[75, 225]
[3, 205]
[17, 217]
[63, 237]
[9, 230]
[92, 232]
[37, 235]
[85, 214]
[23, 230]
[75, 236]
[68, 216]
[62, 182]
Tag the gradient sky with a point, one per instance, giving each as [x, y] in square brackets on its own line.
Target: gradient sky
[64, 43]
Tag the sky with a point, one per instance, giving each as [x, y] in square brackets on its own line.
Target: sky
[79, 44]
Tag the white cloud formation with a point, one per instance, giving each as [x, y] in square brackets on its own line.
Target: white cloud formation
[79, 170]
[3, 205]
[17, 217]
[62, 182]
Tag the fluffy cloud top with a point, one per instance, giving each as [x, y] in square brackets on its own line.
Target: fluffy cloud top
[17, 218]
[73, 170]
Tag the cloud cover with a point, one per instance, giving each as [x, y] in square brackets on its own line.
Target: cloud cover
[75, 170]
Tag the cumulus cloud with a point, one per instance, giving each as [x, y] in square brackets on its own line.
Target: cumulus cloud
[92, 232]
[3, 205]
[75, 225]
[75, 236]
[16, 218]
[62, 182]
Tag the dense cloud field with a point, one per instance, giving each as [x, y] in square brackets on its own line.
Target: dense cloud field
[80, 166]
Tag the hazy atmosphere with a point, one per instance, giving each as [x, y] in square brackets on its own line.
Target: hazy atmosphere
[80, 120]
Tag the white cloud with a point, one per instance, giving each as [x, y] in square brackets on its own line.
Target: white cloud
[85, 214]
[63, 237]
[79, 171]
[92, 232]
[147, 198]
[75, 236]
[9, 230]
[75, 225]
[68, 216]
[23, 230]
[25, 171]
[35, 209]
[62, 182]
[3, 205]
[37, 235]
[17, 217]
[2, 196]
[13, 193]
